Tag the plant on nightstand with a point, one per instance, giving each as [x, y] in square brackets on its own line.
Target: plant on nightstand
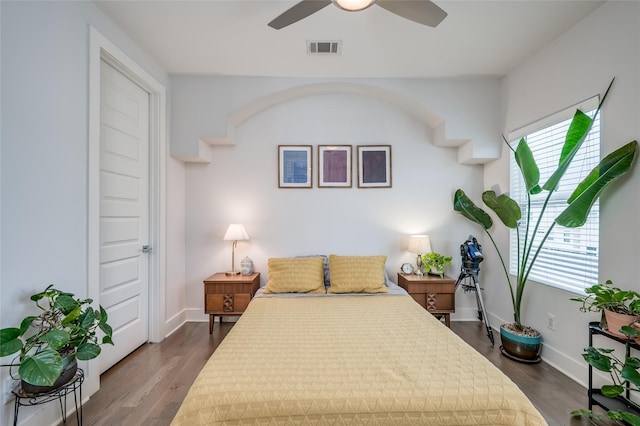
[49, 344]
[435, 263]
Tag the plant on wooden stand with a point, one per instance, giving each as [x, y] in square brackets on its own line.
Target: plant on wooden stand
[521, 342]
[48, 344]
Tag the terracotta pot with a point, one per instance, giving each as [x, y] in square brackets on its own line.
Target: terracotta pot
[636, 326]
[615, 321]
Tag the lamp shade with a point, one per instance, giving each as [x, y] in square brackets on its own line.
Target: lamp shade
[419, 244]
[236, 232]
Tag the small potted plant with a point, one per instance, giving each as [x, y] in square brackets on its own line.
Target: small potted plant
[435, 263]
[619, 307]
[49, 344]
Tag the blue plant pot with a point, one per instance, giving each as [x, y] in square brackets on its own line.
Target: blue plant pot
[519, 347]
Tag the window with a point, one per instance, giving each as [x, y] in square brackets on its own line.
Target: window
[569, 258]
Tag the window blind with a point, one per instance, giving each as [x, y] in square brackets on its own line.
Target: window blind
[569, 258]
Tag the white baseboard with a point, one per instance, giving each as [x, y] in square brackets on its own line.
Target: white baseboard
[465, 314]
[174, 323]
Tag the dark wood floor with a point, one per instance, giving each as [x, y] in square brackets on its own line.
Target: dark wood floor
[148, 386]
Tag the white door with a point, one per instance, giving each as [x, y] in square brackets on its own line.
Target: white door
[124, 212]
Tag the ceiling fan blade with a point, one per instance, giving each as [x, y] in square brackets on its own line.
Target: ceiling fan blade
[297, 12]
[423, 12]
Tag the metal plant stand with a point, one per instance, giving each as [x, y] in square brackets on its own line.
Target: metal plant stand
[73, 386]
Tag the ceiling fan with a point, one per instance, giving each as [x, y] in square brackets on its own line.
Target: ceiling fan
[423, 12]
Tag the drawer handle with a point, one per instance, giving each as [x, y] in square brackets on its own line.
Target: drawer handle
[227, 304]
[431, 301]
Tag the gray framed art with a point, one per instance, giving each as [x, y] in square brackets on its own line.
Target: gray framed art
[374, 166]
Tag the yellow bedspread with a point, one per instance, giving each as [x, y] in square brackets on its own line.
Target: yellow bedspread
[379, 360]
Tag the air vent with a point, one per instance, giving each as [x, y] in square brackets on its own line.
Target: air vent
[330, 47]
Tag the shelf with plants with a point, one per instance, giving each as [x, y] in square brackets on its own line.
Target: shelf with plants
[614, 398]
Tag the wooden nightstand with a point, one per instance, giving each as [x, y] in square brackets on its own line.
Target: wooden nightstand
[228, 295]
[437, 295]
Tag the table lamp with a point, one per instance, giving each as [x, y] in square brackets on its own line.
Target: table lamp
[419, 245]
[235, 232]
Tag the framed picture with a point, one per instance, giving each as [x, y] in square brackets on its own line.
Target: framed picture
[334, 166]
[294, 166]
[374, 166]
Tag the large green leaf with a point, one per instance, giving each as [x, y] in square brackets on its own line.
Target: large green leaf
[87, 351]
[9, 342]
[585, 195]
[41, 369]
[631, 375]
[55, 338]
[632, 361]
[528, 167]
[578, 130]
[463, 205]
[596, 359]
[505, 207]
[66, 303]
[612, 390]
[108, 331]
[87, 319]
[103, 315]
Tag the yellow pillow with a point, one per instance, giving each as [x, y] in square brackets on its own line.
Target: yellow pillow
[357, 274]
[296, 275]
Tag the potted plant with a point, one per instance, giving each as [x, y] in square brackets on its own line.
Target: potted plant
[623, 374]
[619, 307]
[522, 342]
[49, 344]
[435, 263]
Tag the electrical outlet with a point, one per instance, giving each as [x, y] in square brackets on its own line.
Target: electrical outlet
[551, 322]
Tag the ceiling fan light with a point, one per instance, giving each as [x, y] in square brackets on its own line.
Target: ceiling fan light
[353, 5]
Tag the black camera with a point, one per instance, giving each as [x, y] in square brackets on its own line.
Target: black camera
[471, 252]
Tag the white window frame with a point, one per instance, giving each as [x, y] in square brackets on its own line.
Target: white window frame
[569, 257]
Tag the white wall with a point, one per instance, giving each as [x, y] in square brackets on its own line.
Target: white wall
[240, 185]
[578, 65]
[45, 48]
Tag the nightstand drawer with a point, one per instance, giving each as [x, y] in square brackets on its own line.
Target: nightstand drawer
[230, 302]
[429, 287]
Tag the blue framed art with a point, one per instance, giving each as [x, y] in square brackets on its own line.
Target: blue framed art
[294, 166]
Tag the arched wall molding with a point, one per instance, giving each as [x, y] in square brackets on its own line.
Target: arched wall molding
[432, 120]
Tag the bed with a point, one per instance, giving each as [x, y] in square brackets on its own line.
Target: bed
[346, 357]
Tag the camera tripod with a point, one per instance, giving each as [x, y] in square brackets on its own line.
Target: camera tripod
[469, 280]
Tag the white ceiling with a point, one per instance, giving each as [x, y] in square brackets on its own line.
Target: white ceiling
[231, 37]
